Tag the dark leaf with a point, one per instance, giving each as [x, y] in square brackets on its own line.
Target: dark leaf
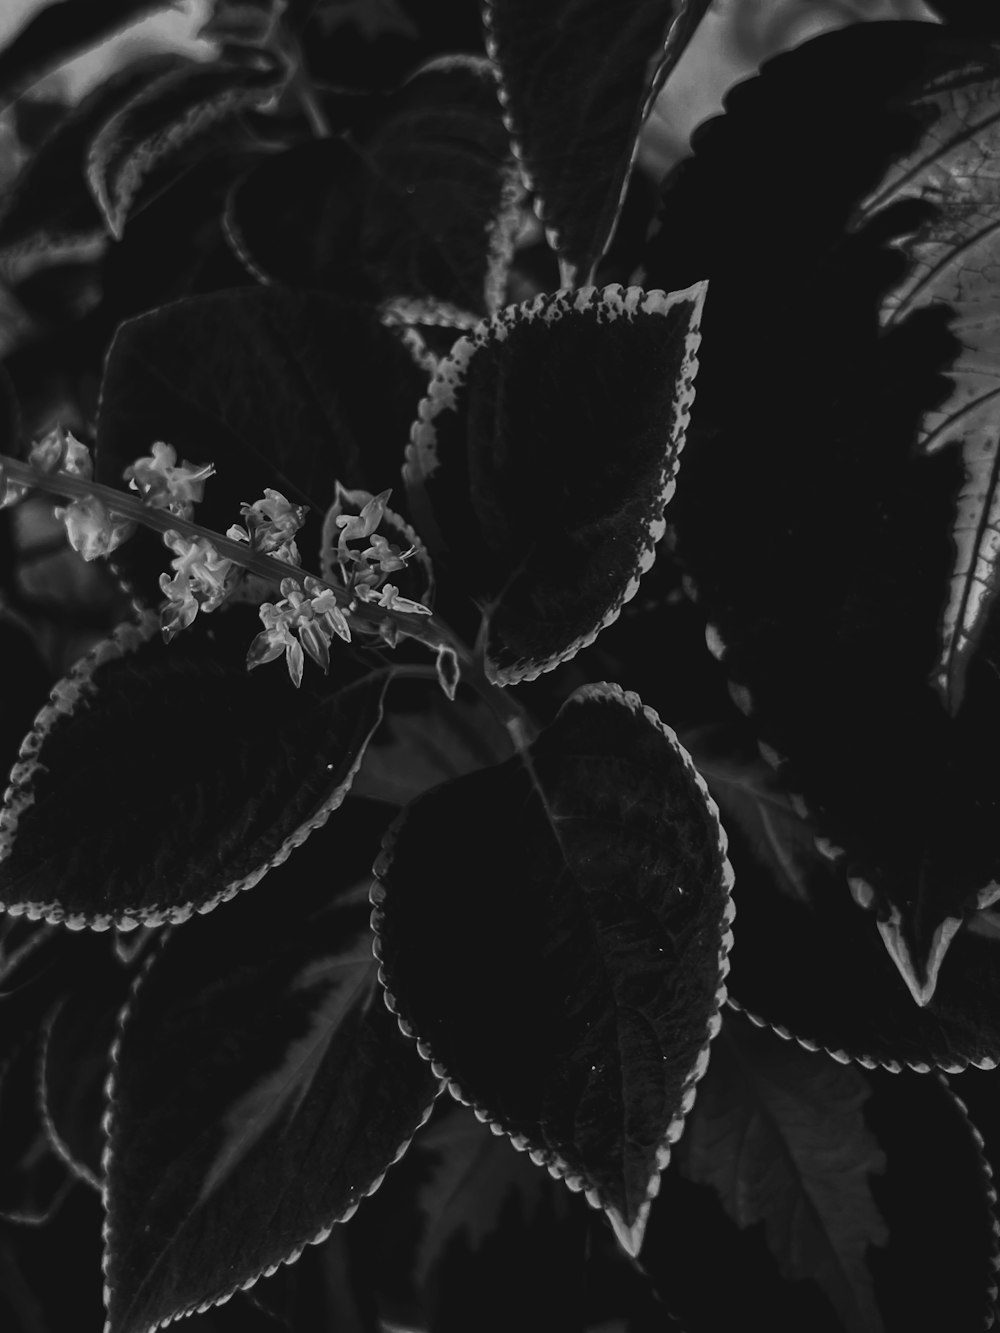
[578, 79]
[850, 580]
[168, 113]
[242, 22]
[48, 205]
[59, 31]
[570, 993]
[422, 208]
[277, 388]
[254, 1108]
[779, 1134]
[173, 734]
[35, 1181]
[511, 475]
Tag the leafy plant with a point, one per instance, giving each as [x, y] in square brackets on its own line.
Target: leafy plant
[367, 753]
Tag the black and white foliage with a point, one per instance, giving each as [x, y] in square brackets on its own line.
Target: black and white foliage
[519, 653]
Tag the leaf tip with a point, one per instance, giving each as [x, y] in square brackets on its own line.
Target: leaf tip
[629, 1236]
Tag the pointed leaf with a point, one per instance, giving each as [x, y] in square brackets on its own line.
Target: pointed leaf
[223, 773]
[848, 582]
[511, 474]
[420, 207]
[254, 1108]
[578, 79]
[281, 389]
[567, 978]
[175, 108]
[779, 1134]
[58, 32]
[48, 204]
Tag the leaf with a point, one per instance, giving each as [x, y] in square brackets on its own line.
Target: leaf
[291, 390]
[419, 205]
[818, 525]
[779, 1134]
[254, 1108]
[510, 472]
[244, 22]
[578, 80]
[223, 774]
[180, 105]
[566, 977]
[48, 205]
[58, 32]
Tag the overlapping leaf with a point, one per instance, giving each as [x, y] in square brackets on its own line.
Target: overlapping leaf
[543, 458]
[261, 1088]
[163, 779]
[419, 208]
[277, 388]
[840, 532]
[169, 112]
[578, 79]
[863, 1181]
[565, 980]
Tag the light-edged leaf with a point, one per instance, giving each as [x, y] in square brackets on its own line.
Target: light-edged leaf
[779, 1133]
[847, 581]
[163, 779]
[177, 107]
[255, 1103]
[417, 207]
[48, 206]
[564, 964]
[59, 31]
[278, 388]
[578, 79]
[543, 457]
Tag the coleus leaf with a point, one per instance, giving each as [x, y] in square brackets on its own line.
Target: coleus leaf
[282, 389]
[169, 112]
[578, 80]
[572, 996]
[48, 205]
[511, 475]
[417, 210]
[861, 624]
[173, 734]
[779, 1134]
[253, 1108]
[54, 34]
[933, 1195]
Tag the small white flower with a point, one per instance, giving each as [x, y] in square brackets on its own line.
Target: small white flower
[165, 484]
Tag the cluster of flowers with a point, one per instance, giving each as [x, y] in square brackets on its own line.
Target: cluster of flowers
[310, 612]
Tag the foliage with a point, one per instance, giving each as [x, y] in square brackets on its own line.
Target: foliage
[553, 665]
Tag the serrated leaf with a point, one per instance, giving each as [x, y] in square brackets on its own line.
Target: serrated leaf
[578, 79]
[223, 772]
[511, 475]
[420, 207]
[48, 204]
[829, 573]
[54, 34]
[169, 112]
[291, 390]
[566, 980]
[779, 1134]
[254, 1108]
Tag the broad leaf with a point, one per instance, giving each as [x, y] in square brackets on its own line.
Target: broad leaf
[512, 476]
[173, 735]
[174, 109]
[578, 79]
[839, 533]
[48, 206]
[420, 207]
[281, 389]
[254, 1108]
[59, 31]
[779, 1134]
[565, 982]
